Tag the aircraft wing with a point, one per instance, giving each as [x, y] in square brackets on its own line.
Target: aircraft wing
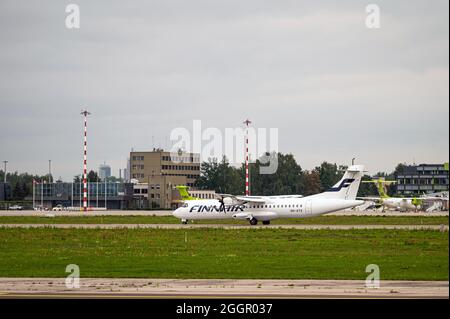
[243, 199]
[251, 199]
[375, 199]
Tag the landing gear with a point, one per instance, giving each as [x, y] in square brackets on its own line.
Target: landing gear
[266, 222]
[253, 221]
[184, 221]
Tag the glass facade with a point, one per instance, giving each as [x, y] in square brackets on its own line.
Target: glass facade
[110, 195]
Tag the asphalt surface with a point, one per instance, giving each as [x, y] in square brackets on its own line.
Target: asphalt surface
[169, 213]
[225, 226]
[88, 213]
[218, 288]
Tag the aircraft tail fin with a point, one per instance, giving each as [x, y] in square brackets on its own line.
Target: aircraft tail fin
[381, 190]
[380, 182]
[182, 189]
[347, 187]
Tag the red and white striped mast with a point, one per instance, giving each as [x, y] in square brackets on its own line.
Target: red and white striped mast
[247, 122]
[85, 113]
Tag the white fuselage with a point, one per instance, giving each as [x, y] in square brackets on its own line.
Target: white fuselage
[274, 207]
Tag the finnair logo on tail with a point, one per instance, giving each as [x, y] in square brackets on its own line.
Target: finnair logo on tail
[344, 184]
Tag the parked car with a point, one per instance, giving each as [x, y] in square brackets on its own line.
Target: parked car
[15, 207]
[57, 208]
[40, 208]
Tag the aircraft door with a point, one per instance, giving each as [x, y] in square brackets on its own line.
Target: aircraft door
[308, 207]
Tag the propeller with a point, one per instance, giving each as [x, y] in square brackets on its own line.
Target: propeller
[222, 205]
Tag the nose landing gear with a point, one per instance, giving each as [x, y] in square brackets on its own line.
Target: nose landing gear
[184, 221]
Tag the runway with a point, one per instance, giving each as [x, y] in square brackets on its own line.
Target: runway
[88, 213]
[225, 226]
[218, 288]
[169, 213]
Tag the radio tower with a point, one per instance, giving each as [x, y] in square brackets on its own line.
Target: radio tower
[247, 122]
[85, 113]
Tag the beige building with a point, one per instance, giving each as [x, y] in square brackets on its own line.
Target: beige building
[162, 172]
[144, 165]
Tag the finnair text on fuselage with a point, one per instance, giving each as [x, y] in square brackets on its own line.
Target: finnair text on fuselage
[216, 208]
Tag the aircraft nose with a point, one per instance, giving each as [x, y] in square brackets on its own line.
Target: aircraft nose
[176, 213]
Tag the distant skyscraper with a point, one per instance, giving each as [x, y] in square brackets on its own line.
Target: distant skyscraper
[126, 171]
[104, 171]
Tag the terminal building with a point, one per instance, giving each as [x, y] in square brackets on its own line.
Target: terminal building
[423, 178]
[110, 195]
[157, 173]
[145, 165]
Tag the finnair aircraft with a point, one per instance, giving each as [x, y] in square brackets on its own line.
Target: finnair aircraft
[265, 208]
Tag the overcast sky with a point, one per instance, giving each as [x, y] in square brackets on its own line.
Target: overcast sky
[334, 88]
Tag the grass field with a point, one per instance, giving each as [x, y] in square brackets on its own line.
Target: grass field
[320, 220]
[219, 253]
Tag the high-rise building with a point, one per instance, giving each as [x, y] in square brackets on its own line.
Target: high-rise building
[127, 171]
[104, 171]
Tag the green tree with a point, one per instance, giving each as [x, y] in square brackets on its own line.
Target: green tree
[286, 180]
[367, 189]
[312, 182]
[220, 176]
[329, 174]
[92, 177]
[399, 169]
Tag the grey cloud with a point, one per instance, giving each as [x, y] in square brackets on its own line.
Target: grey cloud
[334, 88]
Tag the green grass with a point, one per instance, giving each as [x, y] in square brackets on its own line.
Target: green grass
[219, 253]
[325, 220]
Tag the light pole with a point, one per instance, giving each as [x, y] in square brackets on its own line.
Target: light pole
[4, 178]
[247, 122]
[49, 171]
[106, 190]
[85, 113]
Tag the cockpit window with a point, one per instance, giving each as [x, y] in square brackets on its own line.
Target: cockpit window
[185, 205]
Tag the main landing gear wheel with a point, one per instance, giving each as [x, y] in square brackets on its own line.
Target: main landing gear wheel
[266, 222]
[253, 221]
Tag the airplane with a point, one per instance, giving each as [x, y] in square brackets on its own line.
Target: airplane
[266, 208]
[398, 203]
